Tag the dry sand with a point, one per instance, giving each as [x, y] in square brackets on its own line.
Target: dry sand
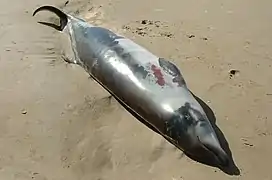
[57, 124]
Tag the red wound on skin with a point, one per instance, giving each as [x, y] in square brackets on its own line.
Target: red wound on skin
[158, 74]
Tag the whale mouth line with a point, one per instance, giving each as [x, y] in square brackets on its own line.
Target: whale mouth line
[213, 152]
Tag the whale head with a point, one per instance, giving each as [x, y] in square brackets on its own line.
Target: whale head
[190, 130]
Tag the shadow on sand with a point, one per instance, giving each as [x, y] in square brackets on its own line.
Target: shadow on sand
[232, 169]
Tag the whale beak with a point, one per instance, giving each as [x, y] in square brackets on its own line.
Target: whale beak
[211, 144]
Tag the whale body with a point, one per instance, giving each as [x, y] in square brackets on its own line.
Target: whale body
[149, 86]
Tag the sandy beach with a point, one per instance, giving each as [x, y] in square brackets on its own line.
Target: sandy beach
[58, 124]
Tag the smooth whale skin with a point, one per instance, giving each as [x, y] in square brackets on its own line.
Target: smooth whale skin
[150, 86]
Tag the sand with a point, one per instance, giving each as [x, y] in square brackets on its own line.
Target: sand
[57, 124]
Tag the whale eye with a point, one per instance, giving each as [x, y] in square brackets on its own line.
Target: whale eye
[187, 114]
[187, 117]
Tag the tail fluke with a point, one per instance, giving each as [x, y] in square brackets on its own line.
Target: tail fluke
[63, 17]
